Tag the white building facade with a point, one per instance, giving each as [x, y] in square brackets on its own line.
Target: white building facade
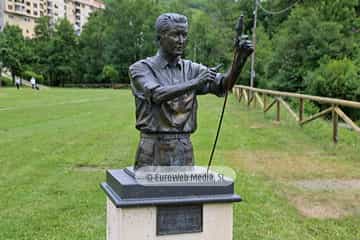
[24, 13]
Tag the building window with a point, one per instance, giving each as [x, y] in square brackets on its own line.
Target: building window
[28, 11]
[35, 13]
[28, 3]
[35, 5]
[10, 7]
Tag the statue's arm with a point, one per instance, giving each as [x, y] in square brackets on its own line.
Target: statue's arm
[145, 85]
[242, 52]
[165, 93]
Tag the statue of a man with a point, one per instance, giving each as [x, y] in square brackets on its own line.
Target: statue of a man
[165, 87]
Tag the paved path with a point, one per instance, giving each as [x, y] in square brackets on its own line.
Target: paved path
[27, 83]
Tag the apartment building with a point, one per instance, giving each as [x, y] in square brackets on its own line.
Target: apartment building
[25, 12]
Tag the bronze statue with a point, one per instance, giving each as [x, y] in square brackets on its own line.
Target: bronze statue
[165, 87]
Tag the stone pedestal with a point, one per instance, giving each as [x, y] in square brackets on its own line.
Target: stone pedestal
[161, 212]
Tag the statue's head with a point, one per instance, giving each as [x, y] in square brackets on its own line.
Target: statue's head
[171, 33]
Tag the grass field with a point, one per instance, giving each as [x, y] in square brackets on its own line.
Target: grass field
[56, 144]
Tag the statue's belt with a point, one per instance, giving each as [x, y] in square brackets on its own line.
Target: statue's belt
[165, 136]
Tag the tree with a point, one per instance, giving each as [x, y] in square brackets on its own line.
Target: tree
[299, 46]
[130, 34]
[1, 63]
[40, 47]
[43, 29]
[91, 48]
[62, 54]
[13, 50]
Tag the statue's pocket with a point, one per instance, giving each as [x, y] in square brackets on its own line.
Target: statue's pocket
[188, 151]
[145, 153]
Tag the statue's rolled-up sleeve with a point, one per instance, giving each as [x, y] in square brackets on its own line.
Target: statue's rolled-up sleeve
[142, 81]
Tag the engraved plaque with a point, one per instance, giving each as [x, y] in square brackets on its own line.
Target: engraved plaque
[179, 219]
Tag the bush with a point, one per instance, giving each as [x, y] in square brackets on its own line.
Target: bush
[336, 79]
[310, 107]
[110, 74]
[29, 74]
[5, 81]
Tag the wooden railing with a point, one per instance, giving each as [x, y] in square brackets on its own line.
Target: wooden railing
[97, 85]
[261, 96]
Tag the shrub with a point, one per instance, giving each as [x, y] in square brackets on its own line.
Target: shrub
[29, 74]
[336, 79]
[110, 74]
[5, 81]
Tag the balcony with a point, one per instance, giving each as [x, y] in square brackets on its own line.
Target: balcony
[19, 8]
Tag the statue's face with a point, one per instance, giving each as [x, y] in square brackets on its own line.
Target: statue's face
[173, 41]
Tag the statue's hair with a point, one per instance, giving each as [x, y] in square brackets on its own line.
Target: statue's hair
[166, 20]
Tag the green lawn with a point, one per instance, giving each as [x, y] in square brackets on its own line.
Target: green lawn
[56, 144]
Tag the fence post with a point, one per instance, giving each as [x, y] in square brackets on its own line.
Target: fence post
[254, 96]
[265, 101]
[335, 120]
[301, 110]
[277, 110]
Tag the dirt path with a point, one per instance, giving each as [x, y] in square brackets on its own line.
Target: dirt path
[318, 185]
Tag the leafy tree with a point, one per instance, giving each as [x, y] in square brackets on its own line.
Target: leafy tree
[205, 45]
[62, 54]
[303, 40]
[92, 44]
[43, 29]
[130, 33]
[42, 43]
[2, 42]
[12, 50]
[264, 53]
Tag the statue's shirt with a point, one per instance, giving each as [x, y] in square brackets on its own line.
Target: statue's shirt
[176, 115]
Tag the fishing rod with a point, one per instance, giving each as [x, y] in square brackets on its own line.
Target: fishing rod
[239, 31]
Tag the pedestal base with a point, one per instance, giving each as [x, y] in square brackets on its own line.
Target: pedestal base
[140, 223]
[167, 212]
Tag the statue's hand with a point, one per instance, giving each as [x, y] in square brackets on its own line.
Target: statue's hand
[207, 76]
[244, 46]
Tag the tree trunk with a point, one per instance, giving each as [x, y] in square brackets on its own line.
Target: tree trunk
[13, 77]
[0, 76]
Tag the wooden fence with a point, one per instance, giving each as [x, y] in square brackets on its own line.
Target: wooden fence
[97, 85]
[276, 98]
